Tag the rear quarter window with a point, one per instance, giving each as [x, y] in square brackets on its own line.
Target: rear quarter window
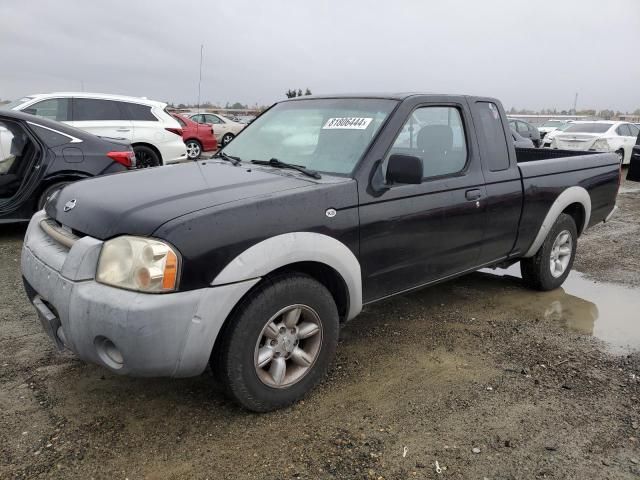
[49, 137]
[135, 111]
[492, 136]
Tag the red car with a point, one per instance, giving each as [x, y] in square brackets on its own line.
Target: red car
[197, 137]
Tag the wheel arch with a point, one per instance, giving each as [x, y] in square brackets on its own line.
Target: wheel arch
[574, 201]
[324, 258]
[58, 177]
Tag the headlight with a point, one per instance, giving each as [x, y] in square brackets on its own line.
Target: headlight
[137, 263]
[601, 145]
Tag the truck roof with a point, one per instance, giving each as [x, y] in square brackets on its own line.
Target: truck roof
[381, 95]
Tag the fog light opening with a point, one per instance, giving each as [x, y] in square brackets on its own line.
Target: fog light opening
[109, 353]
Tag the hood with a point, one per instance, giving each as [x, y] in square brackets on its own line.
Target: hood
[138, 202]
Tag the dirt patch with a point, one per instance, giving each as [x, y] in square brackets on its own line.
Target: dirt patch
[468, 366]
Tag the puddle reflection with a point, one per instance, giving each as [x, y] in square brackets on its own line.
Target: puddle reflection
[607, 311]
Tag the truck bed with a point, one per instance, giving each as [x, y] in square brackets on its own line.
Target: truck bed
[546, 173]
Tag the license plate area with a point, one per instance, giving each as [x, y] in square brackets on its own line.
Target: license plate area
[49, 320]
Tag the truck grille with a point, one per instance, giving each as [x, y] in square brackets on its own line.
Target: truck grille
[61, 234]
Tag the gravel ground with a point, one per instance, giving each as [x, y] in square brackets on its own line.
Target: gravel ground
[471, 374]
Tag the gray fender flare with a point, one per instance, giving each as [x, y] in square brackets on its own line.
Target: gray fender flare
[566, 198]
[275, 252]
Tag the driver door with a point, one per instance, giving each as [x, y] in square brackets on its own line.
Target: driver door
[412, 235]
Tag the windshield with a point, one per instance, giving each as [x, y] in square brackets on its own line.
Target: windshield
[589, 127]
[15, 103]
[327, 135]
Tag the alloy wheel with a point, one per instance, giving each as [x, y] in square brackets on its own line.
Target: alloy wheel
[561, 253]
[193, 150]
[288, 346]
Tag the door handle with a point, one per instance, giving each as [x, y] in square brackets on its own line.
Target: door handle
[473, 194]
[123, 129]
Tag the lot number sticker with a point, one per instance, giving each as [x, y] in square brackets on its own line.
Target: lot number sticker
[350, 123]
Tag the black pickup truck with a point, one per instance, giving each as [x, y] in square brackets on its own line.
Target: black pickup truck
[250, 261]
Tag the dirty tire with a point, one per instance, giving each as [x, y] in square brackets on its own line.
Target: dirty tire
[233, 361]
[50, 190]
[536, 272]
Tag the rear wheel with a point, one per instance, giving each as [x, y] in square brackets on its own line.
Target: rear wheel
[551, 265]
[146, 157]
[48, 192]
[279, 343]
[194, 149]
[227, 138]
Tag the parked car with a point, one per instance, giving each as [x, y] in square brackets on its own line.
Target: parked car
[224, 128]
[548, 138]
[519, 141]
[599, 136]
[634, 165]
[197, 137]
[551, 125]
[526, 130]
[155, 135]
[250, 261]
[38, 157]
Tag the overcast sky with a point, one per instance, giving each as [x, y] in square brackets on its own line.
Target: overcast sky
[533, 53]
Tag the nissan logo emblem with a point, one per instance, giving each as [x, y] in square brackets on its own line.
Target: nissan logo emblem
[70, 205]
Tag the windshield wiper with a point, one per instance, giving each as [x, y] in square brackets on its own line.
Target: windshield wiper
[229, 158]
[274, 162]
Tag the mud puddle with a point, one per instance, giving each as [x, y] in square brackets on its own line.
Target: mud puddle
[606, 311]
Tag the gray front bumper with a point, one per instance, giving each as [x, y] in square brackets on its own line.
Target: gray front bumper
[155, 335]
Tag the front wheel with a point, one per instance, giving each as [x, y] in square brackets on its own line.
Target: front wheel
[279, 343]
[550, 266]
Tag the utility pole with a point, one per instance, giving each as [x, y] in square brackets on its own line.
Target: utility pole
[200, 78]
[575, 103]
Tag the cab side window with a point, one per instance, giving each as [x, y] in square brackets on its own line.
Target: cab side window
[436, 136]
[54, 109]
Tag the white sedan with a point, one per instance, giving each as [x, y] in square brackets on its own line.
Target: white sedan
[548, 138]
[223, 128]
[551, 125]
[599, 136]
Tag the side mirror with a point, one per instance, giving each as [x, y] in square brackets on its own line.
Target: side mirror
[404, 169]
